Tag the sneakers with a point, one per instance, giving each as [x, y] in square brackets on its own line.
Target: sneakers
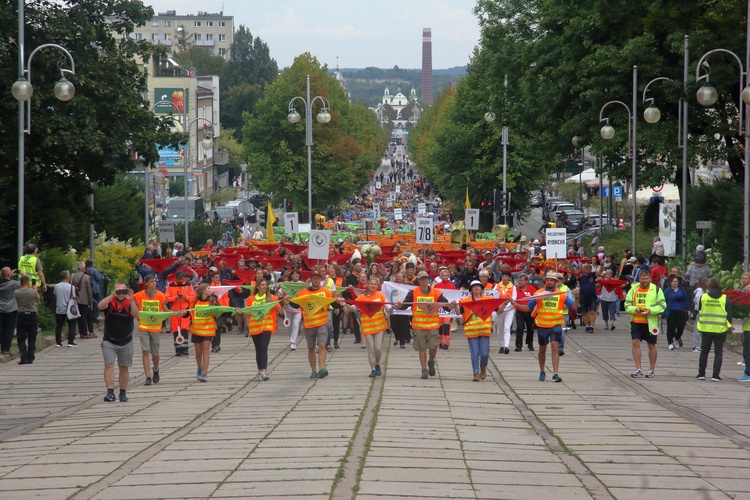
[58, 345]
[518, 349]
[322, 373]
[695, 349]
[716, 378]
[378, 371]
[542, 376]
[431, 367]
[483, 373]
[293, 346]
[744, 378]
[264, 377]
[506, 350]
[476, 377]
[612, 327]
[650, 374]
[637, 373]
[72, 344]
[530, 347]
[425, 373]
[110, 397]
[335, 345]
[561, 352]
[203, 378]
[123, 397]
[148, 381]
[314, 374]
[556, 378]
[589, 329]
[700, 377]
[671, 347]
[216, 349]
[156, 377]
[373, 374]
[679, 342]
[198, 373]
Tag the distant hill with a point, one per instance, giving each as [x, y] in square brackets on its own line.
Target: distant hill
[367, 84]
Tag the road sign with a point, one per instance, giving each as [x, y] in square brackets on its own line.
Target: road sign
[422, 208]
[616, 191]
[291, 223]
[166, 230]
[376, 210]
[425, 231]
[703, 224]
[471, 218]
[317, 248]
[153, 191]
[557, 247]
[398, 214]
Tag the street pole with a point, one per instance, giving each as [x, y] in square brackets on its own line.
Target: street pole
[91, 225]
[505, 172]
[145, 204]
[634, 182]
[308, 142]
[683, 139]
[21, 132]
[746, 215]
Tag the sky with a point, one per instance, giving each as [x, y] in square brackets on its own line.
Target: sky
[361, 33]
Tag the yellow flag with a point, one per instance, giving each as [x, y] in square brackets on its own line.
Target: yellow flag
[270, 219]
[468, 203]
[310, 304]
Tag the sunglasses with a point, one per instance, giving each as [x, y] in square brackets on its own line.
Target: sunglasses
[121, 292]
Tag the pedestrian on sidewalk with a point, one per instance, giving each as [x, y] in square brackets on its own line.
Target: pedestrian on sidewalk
[85, 297]
[645, 303]
[150, 300]
[27, 298]
[425, 321]
[746, 333]
[120, 309]
[549, 313]
[262, 329]
[374, 324]
[714, 322]
[678, 307]
[64, 291]
[477, 331]
[202, 328]
[8, 308]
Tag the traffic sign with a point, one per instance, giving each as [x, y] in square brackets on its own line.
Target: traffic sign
[291, 223]
[424, 230]
[703, 224]
[471, 218]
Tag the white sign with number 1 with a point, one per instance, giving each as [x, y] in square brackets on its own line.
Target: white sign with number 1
[424, 229]
[291, 223]
[471, 218]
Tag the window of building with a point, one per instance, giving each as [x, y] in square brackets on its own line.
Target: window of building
[139, 36]
[167, 24]
[166, 36]
[197, 24]
[222, 24]
[222, 38]
[222, 52]
[154, 37]
[197, 37]
[209, 24]
[209, 37]
[154, 24]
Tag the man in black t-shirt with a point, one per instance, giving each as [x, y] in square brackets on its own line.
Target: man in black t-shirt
[120, 309]
[587, 298]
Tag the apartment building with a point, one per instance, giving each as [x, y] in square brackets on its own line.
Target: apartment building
[212, 31]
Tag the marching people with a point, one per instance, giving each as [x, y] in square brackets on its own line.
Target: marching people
[179, 296]
[505, 314]
[548, 311]
[202, 328]
[524, 320]
[150, 300]
[373, 325]
[120, 309]
[477, 331]
[262, 329]
[645, 303]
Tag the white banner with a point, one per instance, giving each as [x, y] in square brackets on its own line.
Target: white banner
[396, 292]
[668, 228]
[398, 214]
[557, 247]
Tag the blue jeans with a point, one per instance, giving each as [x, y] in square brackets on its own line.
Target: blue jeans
[479, 350]
[746, 352]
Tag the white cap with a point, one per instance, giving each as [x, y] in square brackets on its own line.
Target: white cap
[700, 248]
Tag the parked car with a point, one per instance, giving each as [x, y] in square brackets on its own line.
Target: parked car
[536, 200]
[572, 220]
[194, 209]
[554, 212]
[598, 220]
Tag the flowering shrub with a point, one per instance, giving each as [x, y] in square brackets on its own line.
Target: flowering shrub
[740, 303]
[371, 252]
[114, 258]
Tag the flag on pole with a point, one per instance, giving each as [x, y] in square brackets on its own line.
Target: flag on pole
[467, 204]
[270, 219]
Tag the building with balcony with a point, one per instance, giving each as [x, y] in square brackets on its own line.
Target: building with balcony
[214, 32]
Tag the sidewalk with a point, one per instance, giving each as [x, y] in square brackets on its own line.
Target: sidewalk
[598, 434]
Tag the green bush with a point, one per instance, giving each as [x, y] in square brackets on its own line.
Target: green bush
[200, 232]
[56, 260]
[46, 317]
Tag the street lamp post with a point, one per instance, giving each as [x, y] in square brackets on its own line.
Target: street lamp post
[489, 117]
[207, 143]
[22, 92]
[608, 132]
[707, 96]
[323, 117]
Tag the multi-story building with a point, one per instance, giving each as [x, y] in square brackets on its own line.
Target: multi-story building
[214, 32]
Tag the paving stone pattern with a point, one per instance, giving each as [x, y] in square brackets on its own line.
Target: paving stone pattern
[598, 434]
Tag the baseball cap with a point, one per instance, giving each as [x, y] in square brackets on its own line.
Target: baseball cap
[422, 274]
[632, 260]
[476, 283]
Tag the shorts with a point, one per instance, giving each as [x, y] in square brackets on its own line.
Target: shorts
[123, 353]
[426, 339]
[546, 335]
[586, 305]
[639, 331]
[200, 338]
[317, 335]
[150, 341]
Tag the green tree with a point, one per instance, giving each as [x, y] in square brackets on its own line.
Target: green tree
[88, 139]
[204, 62]
[118, 209]
[346, 150]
